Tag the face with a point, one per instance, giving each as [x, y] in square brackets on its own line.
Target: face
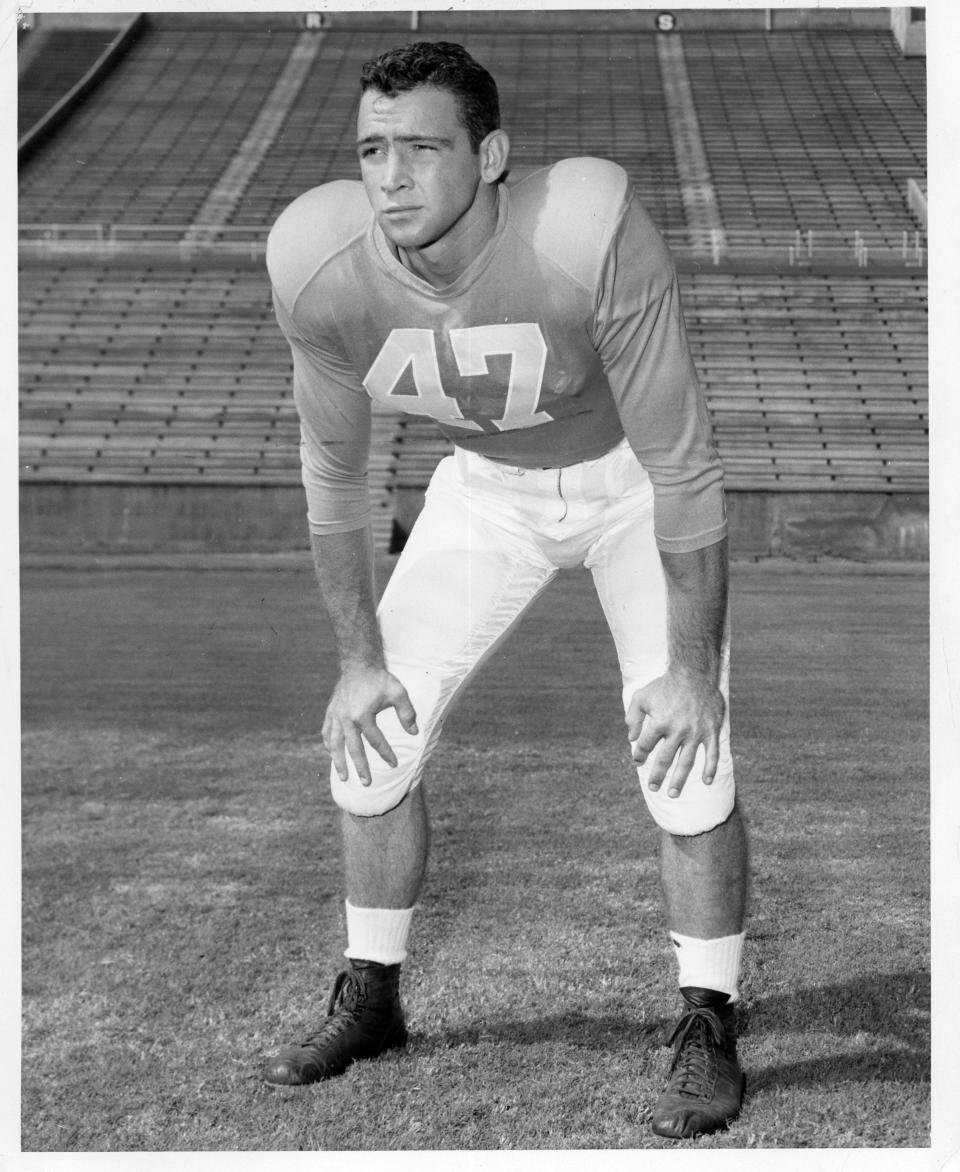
[425, 184]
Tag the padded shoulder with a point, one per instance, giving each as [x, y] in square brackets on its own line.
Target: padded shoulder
[313, 229]
[569, 212]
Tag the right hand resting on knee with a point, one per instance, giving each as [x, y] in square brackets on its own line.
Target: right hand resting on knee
[359, 695]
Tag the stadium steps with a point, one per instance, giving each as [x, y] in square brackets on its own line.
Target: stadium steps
[151, 142]
[803, 130]
[814, 383]
[596, 93]
[180, 375]
[809, 131]
[61, 58]
[162, 376]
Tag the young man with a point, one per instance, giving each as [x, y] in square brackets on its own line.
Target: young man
[540, 326]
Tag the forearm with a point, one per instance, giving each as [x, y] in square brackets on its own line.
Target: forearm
[344, 567]
[696, 609]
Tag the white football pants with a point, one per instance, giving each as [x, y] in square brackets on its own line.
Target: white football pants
[489, 539]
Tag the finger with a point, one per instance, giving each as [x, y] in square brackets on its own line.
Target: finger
[646, 742]
[406, 714]
[378, 742]
[635, 727]
[711, 760]
[681, 770]
[661, 764]
[358, 755]
[339, 761]
[635, 716]
[333, 743]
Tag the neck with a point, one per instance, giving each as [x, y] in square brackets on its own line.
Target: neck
[442, 262]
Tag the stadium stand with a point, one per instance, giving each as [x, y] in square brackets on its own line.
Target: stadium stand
[62, 60]
[145, 364]
[155, 136]
[814, 383]
[563, 95]
[161, 375]
[808, 131]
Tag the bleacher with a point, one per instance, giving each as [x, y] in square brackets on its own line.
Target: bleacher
[814, 383]
[64, 58]
[152, 372]
[163, 376]
[802, 131]
[808, 131]
[562, 95]
[149, 143]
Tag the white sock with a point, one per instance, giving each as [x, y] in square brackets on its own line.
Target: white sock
[378, 933]
[709, 964]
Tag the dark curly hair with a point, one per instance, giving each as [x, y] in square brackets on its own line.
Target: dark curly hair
[443, 65]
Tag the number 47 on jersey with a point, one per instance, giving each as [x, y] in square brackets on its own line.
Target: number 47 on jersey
[416, 350]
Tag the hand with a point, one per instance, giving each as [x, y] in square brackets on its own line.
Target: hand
[351, 716]
[679, 712]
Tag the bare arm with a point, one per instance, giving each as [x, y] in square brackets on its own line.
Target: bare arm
[684, 707]
[344, 569]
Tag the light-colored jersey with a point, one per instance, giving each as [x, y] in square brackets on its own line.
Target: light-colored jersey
[563, 335]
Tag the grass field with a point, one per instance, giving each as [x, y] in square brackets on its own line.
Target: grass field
[182, 910]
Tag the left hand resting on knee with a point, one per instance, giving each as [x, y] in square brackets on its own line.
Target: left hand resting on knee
[679, 712]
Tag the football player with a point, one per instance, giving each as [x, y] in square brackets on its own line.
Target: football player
[540, 325]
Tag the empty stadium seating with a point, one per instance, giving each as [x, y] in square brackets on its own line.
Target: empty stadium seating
[175, 373]
[814, 383]
[64, 57]
[802, 130]
[150, 142]
[563, 94]
[163, 376]
[809, 131]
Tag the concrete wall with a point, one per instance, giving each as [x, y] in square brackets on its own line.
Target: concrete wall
[52, 20]
[508, 17]
[910, 31]
[60, 518]
[140, 518]
[856, 526]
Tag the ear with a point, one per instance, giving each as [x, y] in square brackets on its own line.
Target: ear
[494, 151]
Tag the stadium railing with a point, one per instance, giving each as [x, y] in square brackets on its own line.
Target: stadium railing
[860, 248]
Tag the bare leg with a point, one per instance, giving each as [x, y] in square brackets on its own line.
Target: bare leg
[385, 857]
[704, 879]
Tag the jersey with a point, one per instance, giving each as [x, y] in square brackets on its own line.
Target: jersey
[563, 335]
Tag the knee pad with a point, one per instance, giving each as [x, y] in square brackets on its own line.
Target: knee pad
[391, 784]
[699, 807]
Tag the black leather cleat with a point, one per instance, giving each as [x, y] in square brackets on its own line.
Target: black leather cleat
[364, 1019]
[706, 1085]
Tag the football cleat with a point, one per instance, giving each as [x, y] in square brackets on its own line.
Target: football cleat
[706, 1085]
[364, 1019]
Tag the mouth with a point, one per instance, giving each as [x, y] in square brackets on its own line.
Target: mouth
[395, 213]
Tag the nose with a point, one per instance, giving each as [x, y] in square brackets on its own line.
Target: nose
[394, 175]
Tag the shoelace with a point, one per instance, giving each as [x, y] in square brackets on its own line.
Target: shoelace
[698, 1036]
[347, 1002]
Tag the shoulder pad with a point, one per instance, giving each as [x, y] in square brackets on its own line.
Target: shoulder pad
[311, 230]
[569, 212]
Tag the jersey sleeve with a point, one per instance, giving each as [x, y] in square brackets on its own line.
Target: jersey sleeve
[641, 339]
[333, 407]
[334, 412]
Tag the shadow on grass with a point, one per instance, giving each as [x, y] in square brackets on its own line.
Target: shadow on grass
[881, 1021]
[890, 1008]
[609, 1033]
